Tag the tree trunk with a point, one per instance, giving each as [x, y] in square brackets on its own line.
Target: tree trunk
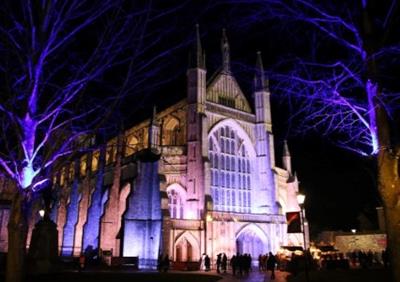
[389, 185]
[17, 233]
[389, 188]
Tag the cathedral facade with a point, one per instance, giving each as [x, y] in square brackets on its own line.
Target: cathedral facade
[198, 177]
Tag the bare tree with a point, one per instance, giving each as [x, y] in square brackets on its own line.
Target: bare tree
[55, 59]
[344, 84]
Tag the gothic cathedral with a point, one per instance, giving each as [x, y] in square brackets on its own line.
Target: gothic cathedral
[198, 177]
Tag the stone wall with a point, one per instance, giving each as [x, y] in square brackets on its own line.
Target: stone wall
[363, 242]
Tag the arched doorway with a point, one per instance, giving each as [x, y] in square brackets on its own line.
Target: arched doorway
[186, 248]
[252, 240]
[184, 251]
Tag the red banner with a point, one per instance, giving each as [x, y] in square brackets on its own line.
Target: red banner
[293, 222]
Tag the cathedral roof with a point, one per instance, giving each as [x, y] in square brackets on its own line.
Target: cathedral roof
[222, 88]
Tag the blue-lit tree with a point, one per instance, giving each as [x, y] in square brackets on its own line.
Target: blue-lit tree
[55, 57]
[343, 83]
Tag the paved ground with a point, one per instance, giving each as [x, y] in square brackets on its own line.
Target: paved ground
[175, 276]
[359, 275]
[350, 275]
[255, 276]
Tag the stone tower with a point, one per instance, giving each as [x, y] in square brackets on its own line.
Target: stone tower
[286, 158]
[264, 139]
[196, 130]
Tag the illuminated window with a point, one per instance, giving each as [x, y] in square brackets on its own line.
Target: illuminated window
[95, 160]
[71, 171]
[110, 153]
[230, 177]
[83, 166]
[131, 145]
[62, 176]
[172, 133]
[175, 204]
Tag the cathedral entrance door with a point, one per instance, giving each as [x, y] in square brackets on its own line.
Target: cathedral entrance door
[184, 251]
[250, 242]
[178, 253]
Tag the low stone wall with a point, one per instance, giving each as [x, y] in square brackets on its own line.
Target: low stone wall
[363, 242]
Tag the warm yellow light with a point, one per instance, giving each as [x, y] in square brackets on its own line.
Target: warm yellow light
[301, 198]
[209, 217]
[353, 231]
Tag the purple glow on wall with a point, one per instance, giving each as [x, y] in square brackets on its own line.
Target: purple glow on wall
[142, 219]
[91, 229]
[72, 219]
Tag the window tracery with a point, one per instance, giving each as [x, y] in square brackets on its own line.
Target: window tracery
[175, 204]
[230, 171]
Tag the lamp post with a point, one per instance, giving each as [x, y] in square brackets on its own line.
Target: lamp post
[301, 199]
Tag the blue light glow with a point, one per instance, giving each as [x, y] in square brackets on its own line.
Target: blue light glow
[142, 219]
[91, 229]
[72, 219]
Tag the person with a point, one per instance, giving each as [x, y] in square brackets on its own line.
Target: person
[233, 264]
[240, 263]
[224, 262]
[219, 261]
[271, 262]
[82, 261]
[166, 263]
[246, 263]
[159, 262]
[202, 266]
[207, 263]
[385, 258]
[260, 262]
[249, 262]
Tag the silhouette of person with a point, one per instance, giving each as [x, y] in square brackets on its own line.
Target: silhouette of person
[271, 262]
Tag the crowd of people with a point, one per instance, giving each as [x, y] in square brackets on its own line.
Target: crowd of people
[267, 262]
[367, 259]
[240, 264]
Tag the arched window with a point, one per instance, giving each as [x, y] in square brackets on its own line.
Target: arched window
[131, 145]
[175, 204]
[231, 175]
[171, 132]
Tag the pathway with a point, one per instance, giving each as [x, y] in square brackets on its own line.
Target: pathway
[254, 276]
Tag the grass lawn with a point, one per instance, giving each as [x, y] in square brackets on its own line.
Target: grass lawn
[339, 275]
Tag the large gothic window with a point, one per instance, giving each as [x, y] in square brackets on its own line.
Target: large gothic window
[230, 171]
[175, 204]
